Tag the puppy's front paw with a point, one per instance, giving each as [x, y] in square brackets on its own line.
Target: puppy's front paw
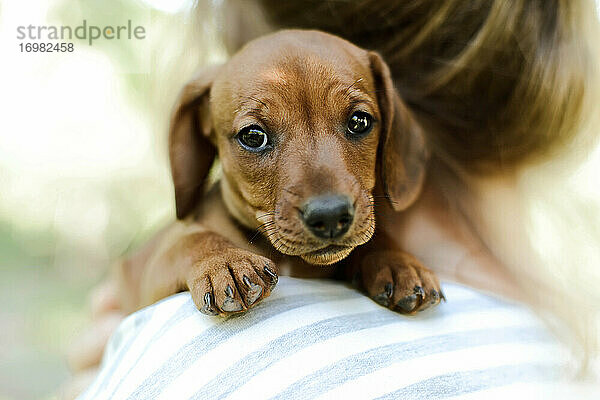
[231, 282]
[398, 281]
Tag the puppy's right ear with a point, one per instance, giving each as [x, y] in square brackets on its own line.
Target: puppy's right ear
[190, 151]
[403, 150]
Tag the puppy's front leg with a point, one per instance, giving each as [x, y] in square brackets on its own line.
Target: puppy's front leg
[393, 278]
[221, 277]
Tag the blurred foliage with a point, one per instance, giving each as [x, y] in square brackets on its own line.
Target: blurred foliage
[59, 231]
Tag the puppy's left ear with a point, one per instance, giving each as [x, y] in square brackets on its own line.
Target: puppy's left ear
[190, 150]
[402, 152]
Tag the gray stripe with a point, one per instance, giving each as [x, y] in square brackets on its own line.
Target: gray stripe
[184, 311]
[140, 319]
[352, 367]
[462, 382]
[222, 331]
[232, 378]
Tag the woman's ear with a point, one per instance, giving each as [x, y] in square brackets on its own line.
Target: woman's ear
[190, 149]
[402, 152]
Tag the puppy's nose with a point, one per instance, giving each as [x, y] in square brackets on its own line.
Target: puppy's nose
[328, 216]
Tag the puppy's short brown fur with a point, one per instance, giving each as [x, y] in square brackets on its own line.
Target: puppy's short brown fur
[295, 93]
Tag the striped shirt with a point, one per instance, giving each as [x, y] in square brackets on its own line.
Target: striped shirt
[320, 339]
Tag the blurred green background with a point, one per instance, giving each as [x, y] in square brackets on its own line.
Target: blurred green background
[84, 175]
[83, 166]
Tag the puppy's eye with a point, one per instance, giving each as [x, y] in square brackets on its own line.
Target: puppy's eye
[253, 138]
[360, 123]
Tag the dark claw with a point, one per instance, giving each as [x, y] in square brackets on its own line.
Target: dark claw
[418, 290]
[435, 296]
[208, 308]
[383, 298]
[230, 304]
[389, 289]
[408, 304]
[254, 291]
[272, 275]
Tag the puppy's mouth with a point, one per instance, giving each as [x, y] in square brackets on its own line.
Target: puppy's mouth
[288, 234]
[327, 255]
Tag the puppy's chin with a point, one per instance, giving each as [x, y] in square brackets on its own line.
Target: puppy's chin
[328, 255]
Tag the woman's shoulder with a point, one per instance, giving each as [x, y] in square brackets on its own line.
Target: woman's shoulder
[314, 338]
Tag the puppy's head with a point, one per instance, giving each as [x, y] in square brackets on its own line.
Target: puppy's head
[305, 125]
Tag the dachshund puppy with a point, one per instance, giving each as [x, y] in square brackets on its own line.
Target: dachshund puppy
[316, 147]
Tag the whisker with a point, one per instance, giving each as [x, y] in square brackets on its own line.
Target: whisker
[387, 197]
[270, 235]
[276, 241]
[290, 192]
[261, 229]
[266, 215]
[254, 236]
[350, 87]
[267, 224]
[257, 100]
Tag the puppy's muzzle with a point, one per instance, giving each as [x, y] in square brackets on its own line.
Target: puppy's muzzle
[328, 216]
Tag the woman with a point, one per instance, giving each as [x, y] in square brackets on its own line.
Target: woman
[500, 88]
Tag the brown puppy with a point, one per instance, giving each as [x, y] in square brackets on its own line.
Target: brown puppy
[315, 147]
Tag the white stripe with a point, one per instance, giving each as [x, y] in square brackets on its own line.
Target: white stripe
[320, 355]
[292, 286]
[537, 391]
[529, 391]
[408, 372]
